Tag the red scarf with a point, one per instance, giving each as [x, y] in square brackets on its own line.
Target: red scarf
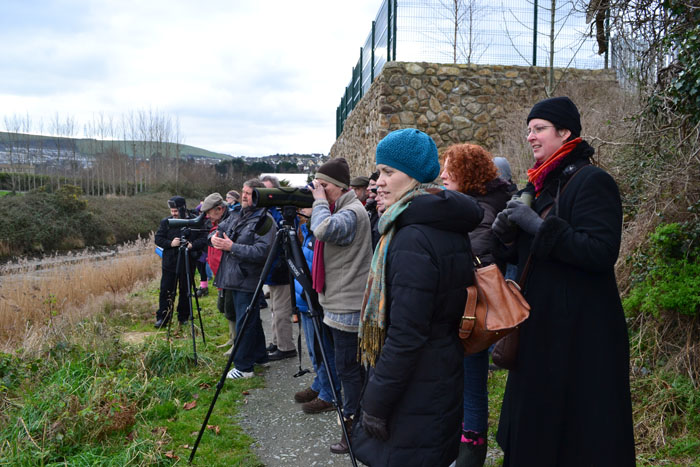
[540, 170]
[318, 269]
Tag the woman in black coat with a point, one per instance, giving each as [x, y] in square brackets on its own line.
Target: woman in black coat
[411, 407]
[568, 400]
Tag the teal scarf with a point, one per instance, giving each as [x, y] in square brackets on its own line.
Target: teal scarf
[372, 330]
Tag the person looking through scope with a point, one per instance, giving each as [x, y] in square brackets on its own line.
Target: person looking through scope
[170, 239]
[340, 265]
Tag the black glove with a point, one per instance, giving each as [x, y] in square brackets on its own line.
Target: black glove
[375, 426]
[504, 230]
[521, 214]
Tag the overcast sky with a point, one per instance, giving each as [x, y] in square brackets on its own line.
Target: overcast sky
[243, 77]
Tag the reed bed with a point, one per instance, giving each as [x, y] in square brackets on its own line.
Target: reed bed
[38, 303]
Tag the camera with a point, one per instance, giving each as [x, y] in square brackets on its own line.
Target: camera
[196, 222]
[300, 197]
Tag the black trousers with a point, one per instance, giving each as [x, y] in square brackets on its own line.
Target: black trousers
[168, 283]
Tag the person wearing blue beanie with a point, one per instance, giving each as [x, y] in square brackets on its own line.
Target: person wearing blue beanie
[412, 152]
[415, 295]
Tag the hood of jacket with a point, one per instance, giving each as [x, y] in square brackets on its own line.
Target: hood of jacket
[446, 210]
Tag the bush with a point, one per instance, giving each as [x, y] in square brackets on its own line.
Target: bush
[668, 274]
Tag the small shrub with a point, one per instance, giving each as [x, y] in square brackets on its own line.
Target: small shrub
[667, 276]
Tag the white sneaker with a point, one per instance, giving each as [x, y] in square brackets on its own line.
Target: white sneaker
[236, 374]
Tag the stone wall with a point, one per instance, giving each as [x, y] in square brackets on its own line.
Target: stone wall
[451, 103]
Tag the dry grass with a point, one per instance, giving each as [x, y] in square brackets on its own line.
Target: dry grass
[604, 118]
[36, 305]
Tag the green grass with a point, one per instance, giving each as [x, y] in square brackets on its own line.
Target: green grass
[95, 400]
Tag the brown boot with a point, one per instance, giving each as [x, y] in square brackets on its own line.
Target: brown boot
[341, 447]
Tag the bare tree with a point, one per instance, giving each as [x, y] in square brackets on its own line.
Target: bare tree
[462, 16]
[559, 16]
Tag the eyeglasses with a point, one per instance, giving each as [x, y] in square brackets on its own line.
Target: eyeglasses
[537, 129]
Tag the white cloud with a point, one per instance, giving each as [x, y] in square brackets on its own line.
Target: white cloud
[243, 77]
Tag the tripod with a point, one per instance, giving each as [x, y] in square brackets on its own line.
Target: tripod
[286, 240]
[182, 252]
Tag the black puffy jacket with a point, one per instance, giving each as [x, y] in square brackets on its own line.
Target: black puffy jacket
[417, 382]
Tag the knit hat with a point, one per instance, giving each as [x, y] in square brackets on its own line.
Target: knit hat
[561, 111]
[176, 202]
[360, 181]
[412, 152]
[335, 171]
[212, 201]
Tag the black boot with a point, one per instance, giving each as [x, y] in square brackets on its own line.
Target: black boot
[472, 449]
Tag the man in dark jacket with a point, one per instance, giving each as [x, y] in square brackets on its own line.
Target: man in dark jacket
[170, 240]
[245, 241]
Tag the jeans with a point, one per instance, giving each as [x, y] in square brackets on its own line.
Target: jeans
[351, 372]
[476, 396]
[321, 384]
[251, 348]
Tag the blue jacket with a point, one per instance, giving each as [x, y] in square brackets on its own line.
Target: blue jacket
[307, 248]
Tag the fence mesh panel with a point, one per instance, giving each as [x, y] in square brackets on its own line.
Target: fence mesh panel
[484, 32]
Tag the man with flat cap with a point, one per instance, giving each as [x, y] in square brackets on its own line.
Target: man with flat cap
[359, 186]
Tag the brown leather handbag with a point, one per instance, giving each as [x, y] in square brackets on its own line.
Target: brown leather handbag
[494, 308]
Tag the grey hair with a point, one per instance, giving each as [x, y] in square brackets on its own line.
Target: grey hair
[254, 183]
[272, 179]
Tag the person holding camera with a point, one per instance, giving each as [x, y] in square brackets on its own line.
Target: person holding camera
[340, 265]
[567, 401]
[470, 169]
[416, 291]
[170, 239]
[217, 212]
[245, 241]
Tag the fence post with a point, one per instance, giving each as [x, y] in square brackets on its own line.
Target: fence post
[372, 64]
[362, 91]
[534, 37]
[394, 42]
[388, 30]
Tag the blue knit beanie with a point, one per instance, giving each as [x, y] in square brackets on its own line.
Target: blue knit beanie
[412, 152]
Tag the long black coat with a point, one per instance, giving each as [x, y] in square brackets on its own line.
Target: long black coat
[568, 401]
[417, 382]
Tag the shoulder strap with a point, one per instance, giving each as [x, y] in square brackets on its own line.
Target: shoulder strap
[544, 213]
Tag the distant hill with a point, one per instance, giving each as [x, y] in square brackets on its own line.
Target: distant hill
[90, 146]
[49, 146]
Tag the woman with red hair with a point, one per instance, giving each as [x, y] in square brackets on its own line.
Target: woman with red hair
[469, 168]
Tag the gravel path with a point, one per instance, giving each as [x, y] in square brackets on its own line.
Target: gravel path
[285, 435]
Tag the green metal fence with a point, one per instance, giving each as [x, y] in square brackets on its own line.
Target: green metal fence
[495, 32]
[379, 48]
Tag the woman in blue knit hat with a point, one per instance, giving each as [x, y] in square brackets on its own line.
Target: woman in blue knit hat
[411, 410]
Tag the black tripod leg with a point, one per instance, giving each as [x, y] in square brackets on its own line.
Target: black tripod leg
[193, 290]
[301, 271]
[244, 325]
[189, 301]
